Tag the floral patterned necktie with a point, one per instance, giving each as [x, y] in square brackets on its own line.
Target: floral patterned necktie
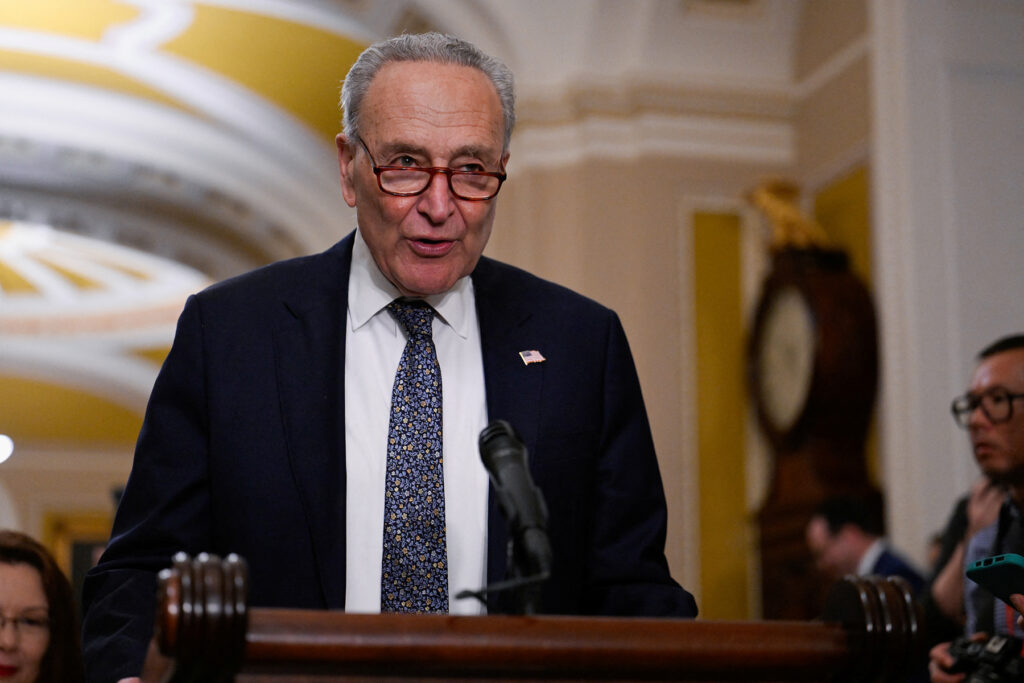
[414, 568]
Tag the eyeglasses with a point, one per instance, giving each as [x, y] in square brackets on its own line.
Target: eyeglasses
[29, 627]
[997, 404]
[409, 181]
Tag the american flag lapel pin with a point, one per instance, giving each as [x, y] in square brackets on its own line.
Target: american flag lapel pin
[532, 356]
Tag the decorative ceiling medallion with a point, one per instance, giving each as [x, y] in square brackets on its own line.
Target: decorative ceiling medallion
[53, 282]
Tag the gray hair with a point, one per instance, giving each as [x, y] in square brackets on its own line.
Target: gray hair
[424, 47]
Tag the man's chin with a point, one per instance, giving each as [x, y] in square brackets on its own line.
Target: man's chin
[426, 279]
[1005, 476]
[420, 288]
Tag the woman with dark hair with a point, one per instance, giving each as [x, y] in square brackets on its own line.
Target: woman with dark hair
[39, 632]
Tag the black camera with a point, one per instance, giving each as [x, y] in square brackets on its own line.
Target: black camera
[994, 660]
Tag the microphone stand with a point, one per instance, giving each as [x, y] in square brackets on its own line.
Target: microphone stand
[529, 565]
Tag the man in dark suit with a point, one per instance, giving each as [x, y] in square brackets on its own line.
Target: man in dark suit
[271, 427]
[845, 537]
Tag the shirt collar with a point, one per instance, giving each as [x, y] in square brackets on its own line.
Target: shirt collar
[869, 558]
[369, 292]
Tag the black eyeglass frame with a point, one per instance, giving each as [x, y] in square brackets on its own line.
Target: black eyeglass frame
[26, 625]
[432, 170]
[963, 406]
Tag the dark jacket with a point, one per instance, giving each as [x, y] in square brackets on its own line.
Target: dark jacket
[243, 450]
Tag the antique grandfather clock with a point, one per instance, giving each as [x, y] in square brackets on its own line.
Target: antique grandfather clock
[812, 362]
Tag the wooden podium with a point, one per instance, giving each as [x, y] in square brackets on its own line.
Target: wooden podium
[871, 631]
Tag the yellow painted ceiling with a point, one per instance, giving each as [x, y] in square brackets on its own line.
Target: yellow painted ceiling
[41, 411]
[86, 74]
[295, 66]
[85, 19]
[155, 355]
[11, 282]
[47, 279]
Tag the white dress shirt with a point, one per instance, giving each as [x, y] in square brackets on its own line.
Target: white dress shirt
[867, 562]
[374, 343]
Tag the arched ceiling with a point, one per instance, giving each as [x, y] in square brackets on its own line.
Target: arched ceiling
[201, 130]
[84, 324]
[53, 283]
[147, 148]
[199, 133]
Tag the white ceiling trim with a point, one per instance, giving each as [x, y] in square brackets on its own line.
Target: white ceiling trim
[132, 49]
[684, 137]
[290, 173]
[158, 22]
[121, 379]
[308, 12]
[30, 249]
[832, 68]
[296, 191]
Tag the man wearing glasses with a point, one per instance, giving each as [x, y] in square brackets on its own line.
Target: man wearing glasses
[992, 412]
[280, 430]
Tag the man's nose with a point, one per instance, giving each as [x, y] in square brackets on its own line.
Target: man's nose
[977, 418]
[437, 201]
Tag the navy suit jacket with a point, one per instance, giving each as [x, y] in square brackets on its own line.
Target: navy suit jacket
[243, 450]
[891, 564]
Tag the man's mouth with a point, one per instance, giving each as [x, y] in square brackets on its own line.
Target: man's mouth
[7, 671]
[983, 448]
[430, 247]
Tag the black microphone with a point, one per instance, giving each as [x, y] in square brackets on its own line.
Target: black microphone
[504, 456]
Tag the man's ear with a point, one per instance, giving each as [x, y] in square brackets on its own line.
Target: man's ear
[346, 167]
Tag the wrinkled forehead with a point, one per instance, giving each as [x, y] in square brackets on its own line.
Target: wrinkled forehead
[439, 100]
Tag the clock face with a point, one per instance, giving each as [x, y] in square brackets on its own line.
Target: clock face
[786, 358]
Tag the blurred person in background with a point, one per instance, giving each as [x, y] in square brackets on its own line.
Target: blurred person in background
[39, 631]
[845, 537]
[992, 412]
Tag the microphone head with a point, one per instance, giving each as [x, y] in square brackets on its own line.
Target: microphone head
[498, 439]
[497, 429]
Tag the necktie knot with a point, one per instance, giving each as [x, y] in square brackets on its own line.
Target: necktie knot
[417, 317]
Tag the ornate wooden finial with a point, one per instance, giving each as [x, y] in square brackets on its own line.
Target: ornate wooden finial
[201, 619]
[790, 227]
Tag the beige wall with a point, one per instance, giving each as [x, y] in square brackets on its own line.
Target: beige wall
[826, 28]
[620, 230]
[833, 110]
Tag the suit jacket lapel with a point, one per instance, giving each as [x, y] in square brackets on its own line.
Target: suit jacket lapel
[310, 352]
[513, 388]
